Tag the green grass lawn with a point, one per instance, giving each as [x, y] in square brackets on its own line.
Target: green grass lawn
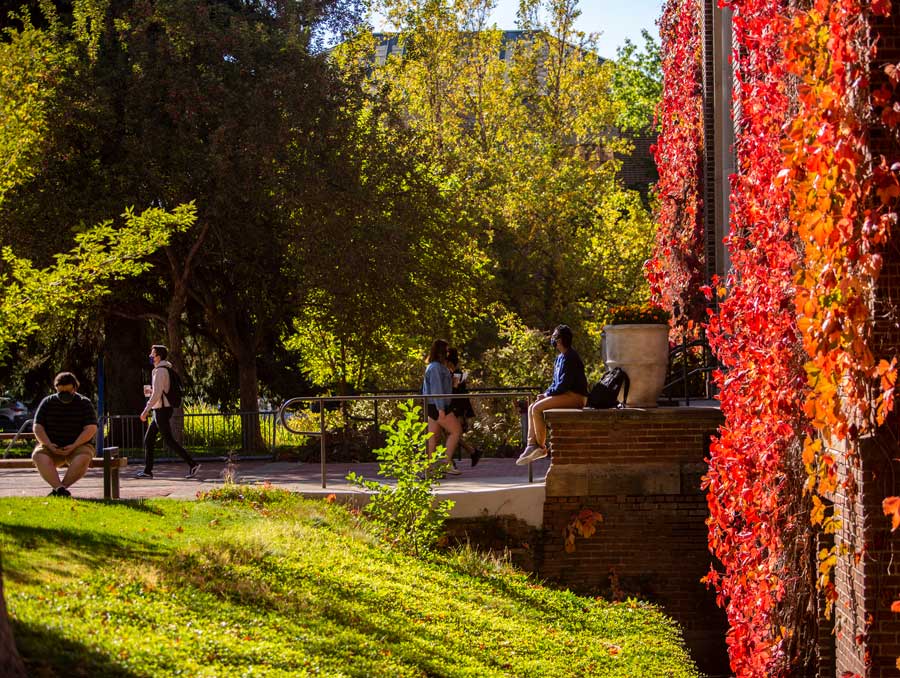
[280, 586]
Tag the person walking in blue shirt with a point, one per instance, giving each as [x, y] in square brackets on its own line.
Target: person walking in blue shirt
[438, 381]
[568, 390]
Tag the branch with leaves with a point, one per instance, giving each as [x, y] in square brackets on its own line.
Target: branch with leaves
[33, 298]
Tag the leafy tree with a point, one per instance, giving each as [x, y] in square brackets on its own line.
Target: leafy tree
[227, 103]
[527, 142]
[522, 357]
[637, 84]
[392, 221]
[246, 121]
[31, 67]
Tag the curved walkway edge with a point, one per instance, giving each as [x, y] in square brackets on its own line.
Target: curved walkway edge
[494, 487]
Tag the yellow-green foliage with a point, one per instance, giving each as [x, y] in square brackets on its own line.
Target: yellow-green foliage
[35, 298]
[527, 147]
[31, 66]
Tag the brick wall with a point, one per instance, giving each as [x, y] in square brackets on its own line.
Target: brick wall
[867, 634]
[638, 171]
[887, 319]
[708, 178]
[641, 470]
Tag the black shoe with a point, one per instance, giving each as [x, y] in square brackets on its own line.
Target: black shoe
[476, 457]
[193, 471]
[144, 474]
[60, 492]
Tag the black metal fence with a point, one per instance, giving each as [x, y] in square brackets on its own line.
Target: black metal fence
[348, 426]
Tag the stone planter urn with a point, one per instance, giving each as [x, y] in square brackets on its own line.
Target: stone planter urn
[642, 350]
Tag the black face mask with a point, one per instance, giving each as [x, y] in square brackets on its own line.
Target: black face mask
[553, 341]
[66, 396]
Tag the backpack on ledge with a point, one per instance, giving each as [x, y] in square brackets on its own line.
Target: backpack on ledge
[605, 395]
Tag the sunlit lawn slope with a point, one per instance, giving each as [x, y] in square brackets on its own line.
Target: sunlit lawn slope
[280, 586]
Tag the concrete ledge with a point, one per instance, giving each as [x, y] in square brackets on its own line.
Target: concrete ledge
[602, 479]
[654, 415]
[525, 502]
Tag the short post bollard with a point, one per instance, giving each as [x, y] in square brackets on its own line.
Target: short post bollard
[110, 474]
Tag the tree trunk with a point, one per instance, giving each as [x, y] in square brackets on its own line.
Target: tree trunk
[181, 272]
[239, 337]
[174, 335]
[11, 665]
[175, 339]
[181, 276]
[127, 371]
[248, 388]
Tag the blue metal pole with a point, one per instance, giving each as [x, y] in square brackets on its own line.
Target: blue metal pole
[101, 407]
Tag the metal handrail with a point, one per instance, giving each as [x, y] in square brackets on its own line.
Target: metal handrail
[321, 400]
[17, 436]
[709, 364]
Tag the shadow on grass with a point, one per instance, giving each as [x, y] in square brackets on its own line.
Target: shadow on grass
[94, 550]
[138, 504]
[47, 655]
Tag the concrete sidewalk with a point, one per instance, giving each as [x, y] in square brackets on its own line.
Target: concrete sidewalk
[494, 487]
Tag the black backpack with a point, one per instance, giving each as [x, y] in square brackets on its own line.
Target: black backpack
[175, 394]
[605, 394]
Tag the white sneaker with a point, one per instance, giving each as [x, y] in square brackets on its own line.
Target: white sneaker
[452, 470]
[530, 454]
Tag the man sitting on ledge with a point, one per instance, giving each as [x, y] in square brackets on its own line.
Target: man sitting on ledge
[568, 390]
[65, 426]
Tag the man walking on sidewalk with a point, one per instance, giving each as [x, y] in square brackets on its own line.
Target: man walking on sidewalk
[165, 395]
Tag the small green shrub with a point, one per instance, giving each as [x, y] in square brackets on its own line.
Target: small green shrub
[406, 513]
[482, 564]
[253, 495]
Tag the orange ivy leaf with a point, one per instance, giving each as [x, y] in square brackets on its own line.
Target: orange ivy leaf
[817, 514]
[891, 507]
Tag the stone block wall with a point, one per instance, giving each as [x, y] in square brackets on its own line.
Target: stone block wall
[641, 470]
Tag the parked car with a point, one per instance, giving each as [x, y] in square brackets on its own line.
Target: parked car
[13, 413]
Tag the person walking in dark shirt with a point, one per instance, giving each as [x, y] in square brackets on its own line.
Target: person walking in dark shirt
[65, 425]
[161, 408]
[462, 407]
[568, 390]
